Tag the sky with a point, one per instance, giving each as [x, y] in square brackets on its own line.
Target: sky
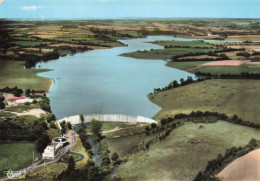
[120, 9]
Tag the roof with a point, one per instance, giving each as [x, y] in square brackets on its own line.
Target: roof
[16, 98]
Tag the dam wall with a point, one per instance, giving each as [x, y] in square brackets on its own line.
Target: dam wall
[108, 118]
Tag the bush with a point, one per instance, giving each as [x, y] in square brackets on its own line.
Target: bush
[34, 101]
[114, 156]
[163, 121]
[2, 105]
[53, 125]
[153, 125]
[2, 98]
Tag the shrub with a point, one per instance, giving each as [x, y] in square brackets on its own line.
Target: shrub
[2, 98]
[153, 125]
[114, 156]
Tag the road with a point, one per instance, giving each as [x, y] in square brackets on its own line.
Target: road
[72, 137]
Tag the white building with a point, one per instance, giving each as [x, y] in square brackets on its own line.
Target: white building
[53, 150]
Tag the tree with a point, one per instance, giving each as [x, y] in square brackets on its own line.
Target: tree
[69, 125]
[82, 120]
[2, 98]
[153, 125]
[96, 128]
[163, 121]
[63, 129]
[2, 105]
[114, 156]
[53, 125]
[175, 83]
[42, 142]
[94, 173]
[182, 81]
[71, 165]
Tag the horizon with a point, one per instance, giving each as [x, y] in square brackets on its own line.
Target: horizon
[129, 9]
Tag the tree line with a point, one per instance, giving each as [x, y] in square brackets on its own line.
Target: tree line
[242, 75]
[175, 84]
[16, 91]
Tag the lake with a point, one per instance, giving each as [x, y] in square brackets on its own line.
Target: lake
[102, 82]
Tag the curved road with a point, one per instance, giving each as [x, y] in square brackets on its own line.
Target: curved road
[34, 166]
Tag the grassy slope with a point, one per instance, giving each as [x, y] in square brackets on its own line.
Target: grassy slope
[239, 97]
[14, 74]
[16, 155]
[177, 158]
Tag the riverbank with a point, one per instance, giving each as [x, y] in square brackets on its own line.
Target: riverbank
[52, 84]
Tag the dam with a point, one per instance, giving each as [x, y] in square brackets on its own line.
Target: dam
[108, 118]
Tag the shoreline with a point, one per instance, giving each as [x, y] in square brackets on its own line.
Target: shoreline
[51, 86]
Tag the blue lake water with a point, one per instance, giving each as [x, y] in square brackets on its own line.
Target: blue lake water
[102, 82]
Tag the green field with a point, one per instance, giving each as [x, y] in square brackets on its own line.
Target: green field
[22, 107]
[52, 133]
[185, 65]
[166, 53]
[218, 70]
[239, 97]
[46, 173]
[67, 156]
[29, 43]
[184, 43]
[14, 74]
[16, 155]
[185, 152]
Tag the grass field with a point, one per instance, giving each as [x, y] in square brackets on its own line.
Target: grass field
[16, 155]
[239, 97]
[14, 74]
[165, 53]
[46, 173]
[218, 70]
[185, 43]
[67, 156]
[29, 43]
[22, 107]
[52, 133]
[185, 65]
[185, 152]
[124, 141]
